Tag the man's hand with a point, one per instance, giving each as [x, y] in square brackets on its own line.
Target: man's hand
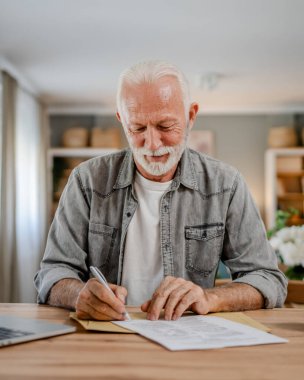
[175, 296]
[96, 301]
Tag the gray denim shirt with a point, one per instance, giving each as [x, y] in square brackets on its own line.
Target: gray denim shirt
[207, 215]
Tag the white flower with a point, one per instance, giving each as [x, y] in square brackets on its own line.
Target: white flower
[289, 245]
[275, 242]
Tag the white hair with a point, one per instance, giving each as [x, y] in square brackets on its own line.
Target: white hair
[150, 72]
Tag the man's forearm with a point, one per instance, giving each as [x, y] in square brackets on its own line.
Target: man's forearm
[65, 292]
[234, 297]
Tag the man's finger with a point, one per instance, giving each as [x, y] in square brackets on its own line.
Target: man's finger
[175, 298]
[183, 305]
[106, 296]
[145, 306]
[103, 309]
[105, 313]
[120, 292]
[161, 295]
[98, 302]
[88, 304]
[195, 295]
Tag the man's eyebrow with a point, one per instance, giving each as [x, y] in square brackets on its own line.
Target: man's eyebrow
[167, 118]
[138, 124]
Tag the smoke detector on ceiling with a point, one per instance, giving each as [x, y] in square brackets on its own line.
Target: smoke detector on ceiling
[209, 81]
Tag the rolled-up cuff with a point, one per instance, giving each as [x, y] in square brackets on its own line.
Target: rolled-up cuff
[273, 297]
[50, 278]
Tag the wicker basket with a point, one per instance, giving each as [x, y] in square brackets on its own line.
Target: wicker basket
[282, 137]
[76, 137]
[105, 138]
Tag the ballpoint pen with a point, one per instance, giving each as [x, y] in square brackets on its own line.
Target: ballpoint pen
[101, 278]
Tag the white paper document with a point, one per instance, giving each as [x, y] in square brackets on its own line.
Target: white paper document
[199, 332]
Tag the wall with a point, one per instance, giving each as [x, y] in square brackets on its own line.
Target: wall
[241, 140]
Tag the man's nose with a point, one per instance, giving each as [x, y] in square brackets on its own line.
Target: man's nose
[153, 138]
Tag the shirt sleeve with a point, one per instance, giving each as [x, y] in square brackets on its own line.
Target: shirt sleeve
[247, 252]
[66, 249]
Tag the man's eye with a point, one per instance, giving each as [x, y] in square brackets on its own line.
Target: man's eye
[165, 127]
[138, 129]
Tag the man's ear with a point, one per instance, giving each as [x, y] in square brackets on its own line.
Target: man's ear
[194, 107]
[118, 116]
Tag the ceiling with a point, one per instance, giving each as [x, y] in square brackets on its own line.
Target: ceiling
[72, 51]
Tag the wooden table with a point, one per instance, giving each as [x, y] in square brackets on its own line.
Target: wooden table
[89, 355]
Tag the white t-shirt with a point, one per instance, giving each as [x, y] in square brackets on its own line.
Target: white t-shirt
[142, 263]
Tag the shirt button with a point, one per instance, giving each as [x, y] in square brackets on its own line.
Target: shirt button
[128, 214]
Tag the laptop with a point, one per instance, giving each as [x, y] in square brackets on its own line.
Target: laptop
[15, 330]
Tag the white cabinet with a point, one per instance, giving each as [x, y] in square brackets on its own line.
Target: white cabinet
[284, 182]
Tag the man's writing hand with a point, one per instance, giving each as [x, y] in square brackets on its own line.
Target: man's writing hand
[97, 302]
[175, 296]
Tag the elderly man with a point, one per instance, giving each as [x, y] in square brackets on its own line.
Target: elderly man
[157, 218]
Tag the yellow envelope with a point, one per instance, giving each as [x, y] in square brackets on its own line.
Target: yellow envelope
[106, 326]
[241, 318]
[111, 327]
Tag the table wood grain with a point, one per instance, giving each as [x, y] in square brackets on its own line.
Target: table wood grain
[110, 356]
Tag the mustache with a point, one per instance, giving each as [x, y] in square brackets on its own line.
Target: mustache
[155, 153]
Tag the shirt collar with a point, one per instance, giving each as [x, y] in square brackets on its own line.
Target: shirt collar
[126, 171]
[185, 173]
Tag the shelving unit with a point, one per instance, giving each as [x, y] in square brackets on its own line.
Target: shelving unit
[284, 182]
[61, 160]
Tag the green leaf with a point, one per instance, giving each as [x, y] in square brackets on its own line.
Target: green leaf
[295, 273]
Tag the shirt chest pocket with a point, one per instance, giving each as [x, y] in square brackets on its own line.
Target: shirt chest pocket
[101, 244]
[203, 247]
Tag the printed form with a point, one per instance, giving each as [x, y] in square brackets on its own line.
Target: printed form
[199, 332]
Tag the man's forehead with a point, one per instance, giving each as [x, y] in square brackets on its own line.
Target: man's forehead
[136, 96]
[142, 117]
[164, 88]
[153, 100]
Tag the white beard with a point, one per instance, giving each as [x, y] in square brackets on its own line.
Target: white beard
[159, 168]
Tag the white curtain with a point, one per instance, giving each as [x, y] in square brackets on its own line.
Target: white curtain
[25, 242]
[7, 178]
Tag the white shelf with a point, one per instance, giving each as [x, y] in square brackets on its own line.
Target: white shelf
[69, 110]
[296, 151]
[271, 174]
[80, 152]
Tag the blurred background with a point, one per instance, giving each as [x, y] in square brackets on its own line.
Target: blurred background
[60, 62]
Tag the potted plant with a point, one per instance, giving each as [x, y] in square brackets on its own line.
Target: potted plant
[288, 243]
